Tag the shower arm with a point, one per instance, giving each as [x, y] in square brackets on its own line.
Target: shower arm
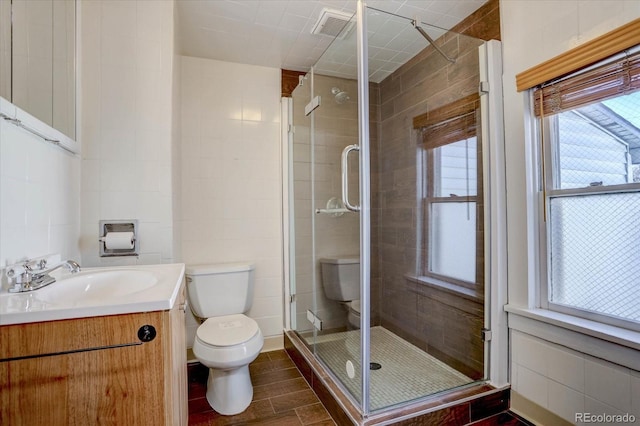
[414, 22]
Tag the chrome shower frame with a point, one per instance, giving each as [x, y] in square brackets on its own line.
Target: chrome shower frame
[365, 200]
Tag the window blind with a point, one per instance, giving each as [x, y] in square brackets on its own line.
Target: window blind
[582, 56]
[610, 79]
[451, 123]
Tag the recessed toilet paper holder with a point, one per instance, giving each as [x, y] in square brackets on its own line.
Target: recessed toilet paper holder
[118, 230]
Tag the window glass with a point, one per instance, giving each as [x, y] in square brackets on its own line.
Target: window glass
[452, 210]
[595, 261]
[456, 169]
[452, 215]
[598, 144]
[453, 240]
[593, 225]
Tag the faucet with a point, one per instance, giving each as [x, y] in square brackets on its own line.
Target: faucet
[71, 265]
[33, 275]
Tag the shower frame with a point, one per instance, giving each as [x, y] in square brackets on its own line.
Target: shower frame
[496, 355]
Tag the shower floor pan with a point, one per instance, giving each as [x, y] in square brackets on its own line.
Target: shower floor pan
[406, 372]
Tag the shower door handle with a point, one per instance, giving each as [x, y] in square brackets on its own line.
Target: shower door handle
[345, 177]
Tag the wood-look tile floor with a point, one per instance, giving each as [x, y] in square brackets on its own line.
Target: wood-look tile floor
[281, 397]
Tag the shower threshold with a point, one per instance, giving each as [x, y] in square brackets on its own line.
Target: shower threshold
[453, 396]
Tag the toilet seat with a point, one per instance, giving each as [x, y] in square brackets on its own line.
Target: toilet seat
[228, 330]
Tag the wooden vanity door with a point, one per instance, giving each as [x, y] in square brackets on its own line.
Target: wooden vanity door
[120, 386]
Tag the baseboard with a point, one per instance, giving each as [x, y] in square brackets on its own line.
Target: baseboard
[273, 343]
[191, 358]
[534, 412]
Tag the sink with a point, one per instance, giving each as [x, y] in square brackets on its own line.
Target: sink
[96, 292]
[96, 287]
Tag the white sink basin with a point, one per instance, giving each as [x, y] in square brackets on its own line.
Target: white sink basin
[96, 292]
[97, 287]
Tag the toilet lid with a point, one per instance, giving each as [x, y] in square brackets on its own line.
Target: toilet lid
[355, 306]
[228, 330]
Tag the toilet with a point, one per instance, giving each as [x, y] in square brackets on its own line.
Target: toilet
[227, 341]
[341, 282]
[353, 317]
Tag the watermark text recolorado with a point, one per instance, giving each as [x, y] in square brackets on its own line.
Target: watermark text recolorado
[605, 418]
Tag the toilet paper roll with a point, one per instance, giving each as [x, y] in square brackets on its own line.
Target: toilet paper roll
[118, 240]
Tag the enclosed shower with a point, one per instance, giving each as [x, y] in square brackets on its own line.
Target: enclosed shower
[390, 187]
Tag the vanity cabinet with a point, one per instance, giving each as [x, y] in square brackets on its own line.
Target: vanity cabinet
[86, 371]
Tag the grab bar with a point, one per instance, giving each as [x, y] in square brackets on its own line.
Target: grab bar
[345, 177]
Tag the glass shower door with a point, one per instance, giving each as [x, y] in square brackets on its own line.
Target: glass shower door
[327, 234]
[424, 210]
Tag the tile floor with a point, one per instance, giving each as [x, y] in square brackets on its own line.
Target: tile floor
[281, 397]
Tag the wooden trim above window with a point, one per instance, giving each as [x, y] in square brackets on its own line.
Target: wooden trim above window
[613, 42]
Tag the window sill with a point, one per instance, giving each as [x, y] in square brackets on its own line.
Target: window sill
[603, 341]
[446, 287]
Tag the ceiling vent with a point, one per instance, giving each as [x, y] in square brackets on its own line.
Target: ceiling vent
[333, 23]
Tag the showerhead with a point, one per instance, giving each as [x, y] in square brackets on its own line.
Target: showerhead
[340, 96]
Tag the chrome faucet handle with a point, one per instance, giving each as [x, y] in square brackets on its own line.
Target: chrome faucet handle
[20, 277]
[16, 272]
[42, 264]
[35, 265]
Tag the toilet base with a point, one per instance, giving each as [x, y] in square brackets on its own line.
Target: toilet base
[353, 321]
[229, 391]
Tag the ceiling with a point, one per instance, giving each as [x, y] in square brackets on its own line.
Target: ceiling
[277, 33]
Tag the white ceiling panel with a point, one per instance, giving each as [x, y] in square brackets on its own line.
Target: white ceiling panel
[277, 33]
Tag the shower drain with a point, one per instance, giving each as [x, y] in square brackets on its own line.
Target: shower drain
[374, 366]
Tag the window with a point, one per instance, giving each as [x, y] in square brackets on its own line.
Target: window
[589, 126]
[452, 217]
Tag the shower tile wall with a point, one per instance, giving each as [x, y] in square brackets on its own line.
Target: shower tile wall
[231, 205]
[336, 127]
[446, 325]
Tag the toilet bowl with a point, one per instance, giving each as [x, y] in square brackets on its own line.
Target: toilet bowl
[227, 341]
[226, 345]
[353, 316]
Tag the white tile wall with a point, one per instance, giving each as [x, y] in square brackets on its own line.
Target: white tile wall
[567, 382]
[231, 178]
[127, 127]
[557, 378]
[39, 198]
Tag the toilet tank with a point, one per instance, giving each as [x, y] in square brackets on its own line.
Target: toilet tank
[341, 277]
[220, 289]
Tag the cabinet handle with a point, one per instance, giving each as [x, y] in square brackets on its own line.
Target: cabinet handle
[146, 333]
[96, 348]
